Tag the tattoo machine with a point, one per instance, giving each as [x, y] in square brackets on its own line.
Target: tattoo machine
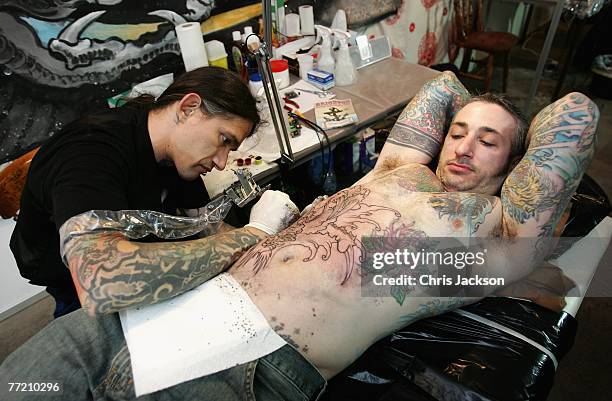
[244, 190]
[137, 224]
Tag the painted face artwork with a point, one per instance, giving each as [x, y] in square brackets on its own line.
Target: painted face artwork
[475, 154]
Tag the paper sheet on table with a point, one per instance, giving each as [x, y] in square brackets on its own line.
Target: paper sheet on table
[208, 329]
[263, 143]
[306, 100]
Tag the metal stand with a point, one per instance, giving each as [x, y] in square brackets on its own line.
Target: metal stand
[262, 56]
[276, 109]
[550, 35]
[267, 19]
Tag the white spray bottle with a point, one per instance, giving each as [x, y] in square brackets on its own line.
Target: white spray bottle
[325, 61]
[346, 73]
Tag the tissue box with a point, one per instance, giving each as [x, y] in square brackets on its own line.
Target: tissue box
[321, 86]
[321, 79]
[320, 76]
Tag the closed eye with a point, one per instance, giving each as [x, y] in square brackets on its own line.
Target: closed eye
[487, 144]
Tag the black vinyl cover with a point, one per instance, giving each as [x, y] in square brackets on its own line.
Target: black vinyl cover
[451, 357]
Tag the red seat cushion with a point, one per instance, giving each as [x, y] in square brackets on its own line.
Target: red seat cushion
[490, 41]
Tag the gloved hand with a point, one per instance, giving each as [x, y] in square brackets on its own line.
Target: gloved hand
[273, 212]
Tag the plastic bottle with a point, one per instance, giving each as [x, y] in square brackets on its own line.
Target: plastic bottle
[339, 22]
[346, 73]
[275, 41]
[278, 21]
[249, 59]
[255, 84]
[247, 31]
[325, 61]
[238, 55]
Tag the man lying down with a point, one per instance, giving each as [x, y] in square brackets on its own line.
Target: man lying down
[304, 283]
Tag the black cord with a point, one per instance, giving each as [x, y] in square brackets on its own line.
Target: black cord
[317, 128]
[321, 131]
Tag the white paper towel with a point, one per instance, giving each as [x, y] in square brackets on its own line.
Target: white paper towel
[306, 20]
[211, 328]
[191, 42]
[292, 24]
[280, 18]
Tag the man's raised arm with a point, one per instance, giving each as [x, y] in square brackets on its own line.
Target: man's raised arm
[419, 132]
[561, 146]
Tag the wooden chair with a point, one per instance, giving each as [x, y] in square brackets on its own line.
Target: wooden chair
[471, 36]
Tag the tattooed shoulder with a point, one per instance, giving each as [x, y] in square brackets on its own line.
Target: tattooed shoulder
[464, 211]
[417, 178]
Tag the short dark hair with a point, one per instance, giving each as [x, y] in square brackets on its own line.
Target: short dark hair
[223, 94]
[522, 126]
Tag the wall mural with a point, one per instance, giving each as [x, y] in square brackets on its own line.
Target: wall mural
[60, 58]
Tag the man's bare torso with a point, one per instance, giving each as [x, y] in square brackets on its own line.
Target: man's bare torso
[306, 280]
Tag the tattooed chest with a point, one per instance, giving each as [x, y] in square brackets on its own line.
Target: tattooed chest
[409, 178]
[330, 235]
[415, 191]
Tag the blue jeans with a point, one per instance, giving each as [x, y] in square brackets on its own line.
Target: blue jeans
[90, 360]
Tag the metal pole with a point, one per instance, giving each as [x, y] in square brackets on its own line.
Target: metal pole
[267, 19]
[263, 55]
[552, 29]
[265, 80]
[259, 51]
[276, 110]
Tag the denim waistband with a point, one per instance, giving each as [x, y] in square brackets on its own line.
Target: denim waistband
[288, 362]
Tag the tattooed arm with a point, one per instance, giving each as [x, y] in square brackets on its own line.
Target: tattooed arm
[561, 146]
[419, 131]
[111, 273]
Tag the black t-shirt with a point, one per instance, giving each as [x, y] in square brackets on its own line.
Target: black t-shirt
[104, 161]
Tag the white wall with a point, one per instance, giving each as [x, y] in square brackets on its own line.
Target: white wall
[14, 289]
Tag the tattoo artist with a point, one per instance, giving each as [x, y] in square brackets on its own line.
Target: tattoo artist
[147, 155]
